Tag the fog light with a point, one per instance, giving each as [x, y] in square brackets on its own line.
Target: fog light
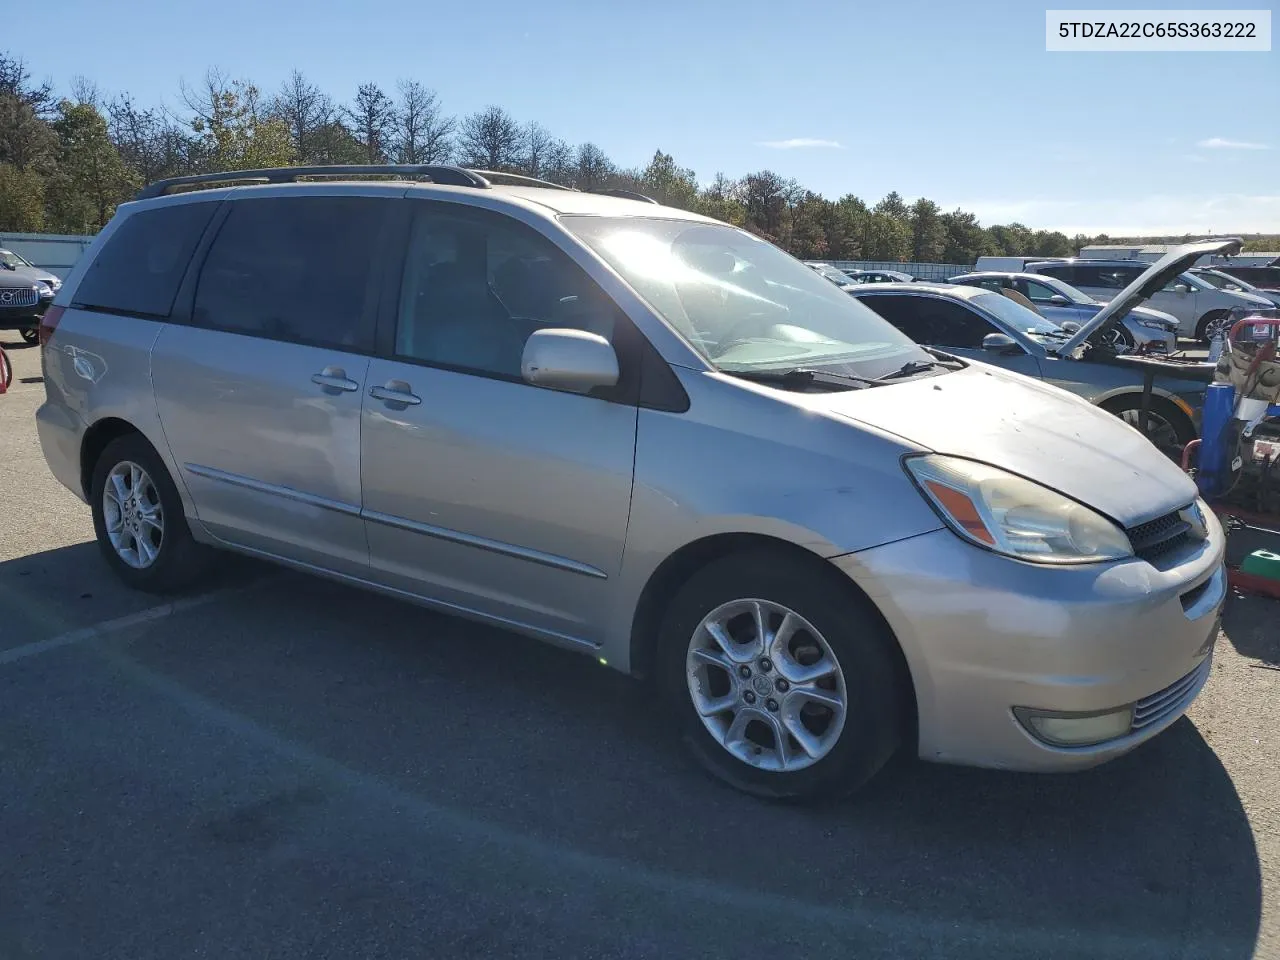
[1076, 730]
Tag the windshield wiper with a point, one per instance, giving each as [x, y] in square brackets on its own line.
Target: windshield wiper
[912, 367]
[804, 377]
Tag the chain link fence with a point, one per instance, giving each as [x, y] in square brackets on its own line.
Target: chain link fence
[921, 271]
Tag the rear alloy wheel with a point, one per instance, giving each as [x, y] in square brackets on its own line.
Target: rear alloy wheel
[783, 684]
[139, 520]
[1211, 324]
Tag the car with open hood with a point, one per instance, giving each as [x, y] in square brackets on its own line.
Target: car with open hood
[1203, 310]
[1142, 329]
[25, 293]
[644, 436]
[981, 324]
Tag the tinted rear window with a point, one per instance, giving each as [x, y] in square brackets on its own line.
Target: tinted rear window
[141, 264]
[294, 268]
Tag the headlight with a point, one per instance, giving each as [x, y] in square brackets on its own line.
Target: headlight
[1152, 324]
[1014, 516]
[54, 284]
[44, 289]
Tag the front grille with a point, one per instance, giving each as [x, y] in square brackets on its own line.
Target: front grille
[1156, 537]
[1172, 699]
[18, 296]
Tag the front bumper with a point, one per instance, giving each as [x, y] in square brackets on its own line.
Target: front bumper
[984, 634]
[14, 318]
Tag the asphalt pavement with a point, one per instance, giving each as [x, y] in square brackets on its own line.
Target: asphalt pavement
[279, 767]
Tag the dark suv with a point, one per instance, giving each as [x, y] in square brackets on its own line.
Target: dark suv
[1268, 278]
[25, 294]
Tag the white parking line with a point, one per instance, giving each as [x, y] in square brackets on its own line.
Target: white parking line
[106, 628]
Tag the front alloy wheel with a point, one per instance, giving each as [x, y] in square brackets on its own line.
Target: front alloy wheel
[766, 685]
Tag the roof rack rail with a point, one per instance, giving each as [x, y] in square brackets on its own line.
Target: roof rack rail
[624, 194]
[517, 179]
[436, 173]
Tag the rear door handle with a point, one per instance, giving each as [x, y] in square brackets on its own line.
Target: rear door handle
[334, 379]
[397, 392]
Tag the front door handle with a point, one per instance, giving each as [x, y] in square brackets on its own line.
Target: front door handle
[334, 380]
[397, 392]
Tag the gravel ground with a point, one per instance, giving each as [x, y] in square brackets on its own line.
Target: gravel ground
[278, 767]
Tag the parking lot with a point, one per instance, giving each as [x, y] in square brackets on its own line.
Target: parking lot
[279, 766]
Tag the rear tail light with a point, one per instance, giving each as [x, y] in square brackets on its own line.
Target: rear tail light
[49, 323]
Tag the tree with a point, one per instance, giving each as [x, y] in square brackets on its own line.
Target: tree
[966, 240]
[90, 178]
[372, 119]
[557, 163]
[764, 196]
[491, 140]
[231, 130]
[151, 145]
[538, 142]
[928, 236]
[15, 80]
[668, 183]
[25, 138]
[421, 133]
[594, 168]
[885, 237]
[21, 200]
[306, 111]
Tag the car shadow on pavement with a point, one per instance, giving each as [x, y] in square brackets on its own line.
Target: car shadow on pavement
[1250, 624]
[1150, 855]
[1143, 856]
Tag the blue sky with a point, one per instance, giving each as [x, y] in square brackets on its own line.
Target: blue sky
[957, 102]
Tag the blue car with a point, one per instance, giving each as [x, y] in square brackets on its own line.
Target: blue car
[1150, 330]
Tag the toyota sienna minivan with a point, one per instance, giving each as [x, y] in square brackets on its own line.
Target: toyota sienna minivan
[642, 435]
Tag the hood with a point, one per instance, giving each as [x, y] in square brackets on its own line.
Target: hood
[1152, 279]
[1029, 428]
[24, 275]
[1253, 298]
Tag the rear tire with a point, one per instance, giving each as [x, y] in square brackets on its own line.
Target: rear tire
[154, 560]
[1209, 322]
[827, 622]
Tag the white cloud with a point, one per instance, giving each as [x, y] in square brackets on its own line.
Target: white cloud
[798, 143]
[1153, 215]
[1219, 143]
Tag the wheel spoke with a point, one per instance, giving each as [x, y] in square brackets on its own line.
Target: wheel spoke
[737, 732]
[798, 673]
[809, 743]
[736, 652]
[137, 479]
[814, 694]
[710, 706]
[118, 488]
[776, 645]
[146, 549]
[714, 658]
[781, 743]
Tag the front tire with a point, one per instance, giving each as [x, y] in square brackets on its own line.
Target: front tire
[139, 520]
[31, 335]
[1167, 427]
[781, 682]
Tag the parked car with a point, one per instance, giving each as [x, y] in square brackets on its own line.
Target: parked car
[1225, 281]
[25, 293]
[834, 274]
[1142, 328]
[1202, 309]
[983, 325]
[643, 435]
[1263, 277]
[878, 276]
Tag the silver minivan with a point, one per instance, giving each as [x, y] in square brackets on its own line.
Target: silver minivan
[642, 435]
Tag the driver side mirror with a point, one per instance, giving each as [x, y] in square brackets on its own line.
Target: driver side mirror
[1058, 300]
[1181, 288]
[1000, 343]
[571, 360]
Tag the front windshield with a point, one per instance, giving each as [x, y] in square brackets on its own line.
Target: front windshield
[741, 302]
[11, 259]
[1017, 316]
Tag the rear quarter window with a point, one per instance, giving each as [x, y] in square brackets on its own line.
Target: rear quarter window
[140, 266]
